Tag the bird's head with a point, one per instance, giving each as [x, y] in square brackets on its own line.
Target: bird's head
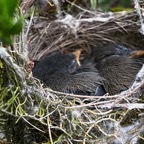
[59, 63]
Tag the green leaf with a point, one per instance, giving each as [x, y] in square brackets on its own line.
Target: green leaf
[17, 28]
[11, 5]
[3, 7]
[10, 23]
[6, 39]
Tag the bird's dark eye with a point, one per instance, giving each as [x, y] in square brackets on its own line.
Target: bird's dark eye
[73, 66]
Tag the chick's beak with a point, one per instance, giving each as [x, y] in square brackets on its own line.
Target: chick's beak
[77, 53]
[137, 54]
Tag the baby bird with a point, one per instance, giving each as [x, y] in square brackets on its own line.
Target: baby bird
[118, 66]
[63, 73]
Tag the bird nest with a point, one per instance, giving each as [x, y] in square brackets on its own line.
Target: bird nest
[31, 113]
[83, 31]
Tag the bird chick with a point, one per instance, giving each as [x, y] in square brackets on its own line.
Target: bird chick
[63, 73]
[117, 66]
[119, 72]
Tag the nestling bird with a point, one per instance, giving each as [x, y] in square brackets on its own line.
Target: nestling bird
[118, 66]
[63, 72]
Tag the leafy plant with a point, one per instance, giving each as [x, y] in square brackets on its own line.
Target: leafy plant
[10, 21]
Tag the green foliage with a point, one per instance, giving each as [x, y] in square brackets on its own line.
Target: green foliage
[99, 5]
[10, 22]
[115, 5]
[93, 4]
